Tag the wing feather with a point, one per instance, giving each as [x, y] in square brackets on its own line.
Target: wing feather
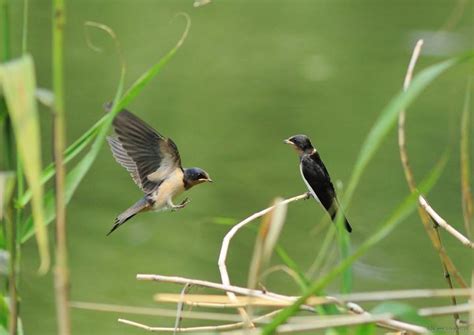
[142, 151]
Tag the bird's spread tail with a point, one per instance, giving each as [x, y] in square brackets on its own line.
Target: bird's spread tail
[139, 206]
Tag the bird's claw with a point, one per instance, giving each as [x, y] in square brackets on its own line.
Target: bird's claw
[181, 205]
[308, 196]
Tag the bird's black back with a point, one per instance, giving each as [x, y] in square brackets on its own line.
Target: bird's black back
[318, 178]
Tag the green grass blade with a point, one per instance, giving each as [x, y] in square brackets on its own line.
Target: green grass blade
[145, 78]
[405, 208]
[19, 85]
[385, 122]
[76, 174]
[466, 164]
[388, 117]
[70, 153]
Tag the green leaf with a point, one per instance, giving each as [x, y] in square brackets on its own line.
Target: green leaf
[403, 312]
[18, 80]
[388, 117]
[7, 187]
[382, 126]
[76, 174]
[400, 213]
[220, 220]
[467, 205]
[366, 329]
[4, 313]
[71, 152]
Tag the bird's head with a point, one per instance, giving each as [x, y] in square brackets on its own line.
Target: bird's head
[301, 144]
[194, 176]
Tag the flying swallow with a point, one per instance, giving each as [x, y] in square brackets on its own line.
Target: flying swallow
[154, 163]
[315, 175]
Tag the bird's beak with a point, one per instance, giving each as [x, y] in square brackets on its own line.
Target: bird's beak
[287, 141]
[209, 180]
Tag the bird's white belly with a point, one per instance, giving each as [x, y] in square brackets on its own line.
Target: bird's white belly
[172, 186]
[310, 189]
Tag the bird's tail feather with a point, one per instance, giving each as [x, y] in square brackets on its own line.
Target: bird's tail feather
[333, 212]
[346, 223]
[139, 206]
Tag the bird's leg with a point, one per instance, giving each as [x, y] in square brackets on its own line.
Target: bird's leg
[308, 196]
[180, 206]
[184, 203]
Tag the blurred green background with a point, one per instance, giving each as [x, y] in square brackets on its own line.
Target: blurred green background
[250, 74]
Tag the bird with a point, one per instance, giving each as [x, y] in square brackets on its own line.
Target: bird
[316, 176]
[154, 163]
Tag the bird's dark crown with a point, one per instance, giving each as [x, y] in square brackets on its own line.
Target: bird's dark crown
[194, 176]
[301, 143]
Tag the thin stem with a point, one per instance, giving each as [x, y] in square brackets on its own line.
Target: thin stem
[222, 301]
[443, 224]
[5, 21]
[24, 34]
[467, 207]
[12, 279]
[61, 268]
[228, 237]
[446, 262]
[229, 326]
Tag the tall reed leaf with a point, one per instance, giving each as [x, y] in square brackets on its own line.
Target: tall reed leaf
[466, 164]
[408, 205]
[388, 117]
[372, 143]
[72, 151]
[18, 80]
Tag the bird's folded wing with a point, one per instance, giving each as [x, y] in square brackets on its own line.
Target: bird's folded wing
[148, 156]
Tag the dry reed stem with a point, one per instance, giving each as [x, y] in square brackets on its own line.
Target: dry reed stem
[446, 262]
[445, 310]
[350, 306]
[222, 301]
[228, 237]
[61, 270]
[171, 313]
[319, 324]
[180, 306]
[229, 326]
[343, 321]
[443, 224]
[227, 288]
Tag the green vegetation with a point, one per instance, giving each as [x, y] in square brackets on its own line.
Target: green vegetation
[228, 113]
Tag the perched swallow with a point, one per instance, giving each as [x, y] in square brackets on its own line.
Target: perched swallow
[315, 175]
[154, 163]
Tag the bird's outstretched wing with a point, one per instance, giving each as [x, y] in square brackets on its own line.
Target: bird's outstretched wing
[147, 155]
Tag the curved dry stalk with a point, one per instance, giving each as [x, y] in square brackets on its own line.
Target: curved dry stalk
[228, 237]
[180, 307]
[446, 262]
[443, 224]
[279, 300]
